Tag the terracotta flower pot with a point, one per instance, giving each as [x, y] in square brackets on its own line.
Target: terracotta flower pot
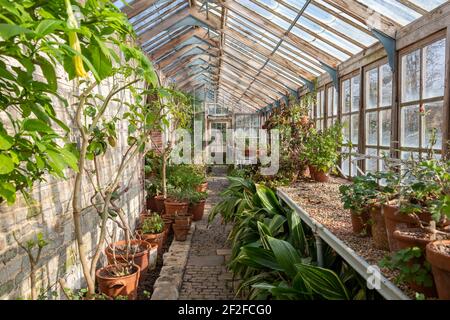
[197, 210]
[394, 220]
[159, 202]
[174, 208]
[140, 258]
[379, 234]
[153, 238]
[438, 255]
[151, 204]
[183, 220]
[360, 223]
[415, 237]
[118, 286]
[180, 232]
[202, 187]
[321, 176]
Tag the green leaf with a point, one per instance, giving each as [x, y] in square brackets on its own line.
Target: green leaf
[6, 164]
[100, 61]
[49, 73]
[323, 282]
[296, 233]
[257, 257]
[36, 125]
[10, 30]
[285, 254]
[47, 26]
[269, 199]
[70, 158]
[6, 141]
[8, 192]
[56, 161]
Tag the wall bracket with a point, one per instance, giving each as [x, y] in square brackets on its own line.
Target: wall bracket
[389, 45]
[333, 73]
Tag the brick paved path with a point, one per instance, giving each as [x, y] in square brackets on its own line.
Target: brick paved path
[206, 276]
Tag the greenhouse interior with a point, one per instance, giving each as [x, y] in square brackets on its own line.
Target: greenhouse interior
[225, 150]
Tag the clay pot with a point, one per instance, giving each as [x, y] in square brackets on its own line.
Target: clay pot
[151, 204]
[118, 286]
[360, 223]
[159, 202]
[183, 220]
[394, 220]
[197, 210]
[440, 266]
[415, 237]
[153, 239]
[180, 232]
[379, 234]
[202, 187]
[319, 175]
[176, 208]
[141, 259]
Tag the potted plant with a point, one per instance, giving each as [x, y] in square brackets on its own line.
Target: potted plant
[177, 202]
[412, 269]
[357, 197]
[419, 189]
[322, 151]
[153, 189]
[120, 279]
[152, 231]
[138, 252]
[197, 205]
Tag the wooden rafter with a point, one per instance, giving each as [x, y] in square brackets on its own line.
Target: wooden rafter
[136, 7]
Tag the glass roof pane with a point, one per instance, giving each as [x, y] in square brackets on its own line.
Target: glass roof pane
[393, 9]
[336, 23]
[428, 4]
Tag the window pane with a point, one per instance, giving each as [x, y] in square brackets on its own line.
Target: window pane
[385, 128]
[411, 76]
[386, 85]
[335, 102]
[410, 126]
[372, 89]
[330, 102]
[432, 125]
[372, 128]
[355, 93]
[434, 69]
[346, 96]
[355, 128]
[346, 128]
[371, 164]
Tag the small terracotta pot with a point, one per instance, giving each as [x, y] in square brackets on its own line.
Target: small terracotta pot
[174, 208]
[360, 223]
[180, 232]
[118, 286]
[319, 175]
[159, 202]
[379, 234]
[183, 220]
[405, 239]
[197, 210]
[141, 259]
[151, 204]
[440, 266]
[202, 187]
[394, 220]
[153, 238]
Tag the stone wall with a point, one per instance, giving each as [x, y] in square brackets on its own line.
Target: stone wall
[50, 213]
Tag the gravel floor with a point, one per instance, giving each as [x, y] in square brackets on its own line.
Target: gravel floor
[322, 202]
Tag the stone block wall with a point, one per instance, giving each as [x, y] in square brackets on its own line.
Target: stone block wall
[50, 212]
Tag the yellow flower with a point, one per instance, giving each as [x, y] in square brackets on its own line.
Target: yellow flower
[74, 42]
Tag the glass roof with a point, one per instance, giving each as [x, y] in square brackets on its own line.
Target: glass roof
[256, 49]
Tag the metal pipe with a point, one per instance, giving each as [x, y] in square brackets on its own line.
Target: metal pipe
[319, 247]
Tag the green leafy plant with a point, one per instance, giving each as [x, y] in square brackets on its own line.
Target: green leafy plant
[358, 195]
[411, 268]
[322, 148]
[153, 224]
